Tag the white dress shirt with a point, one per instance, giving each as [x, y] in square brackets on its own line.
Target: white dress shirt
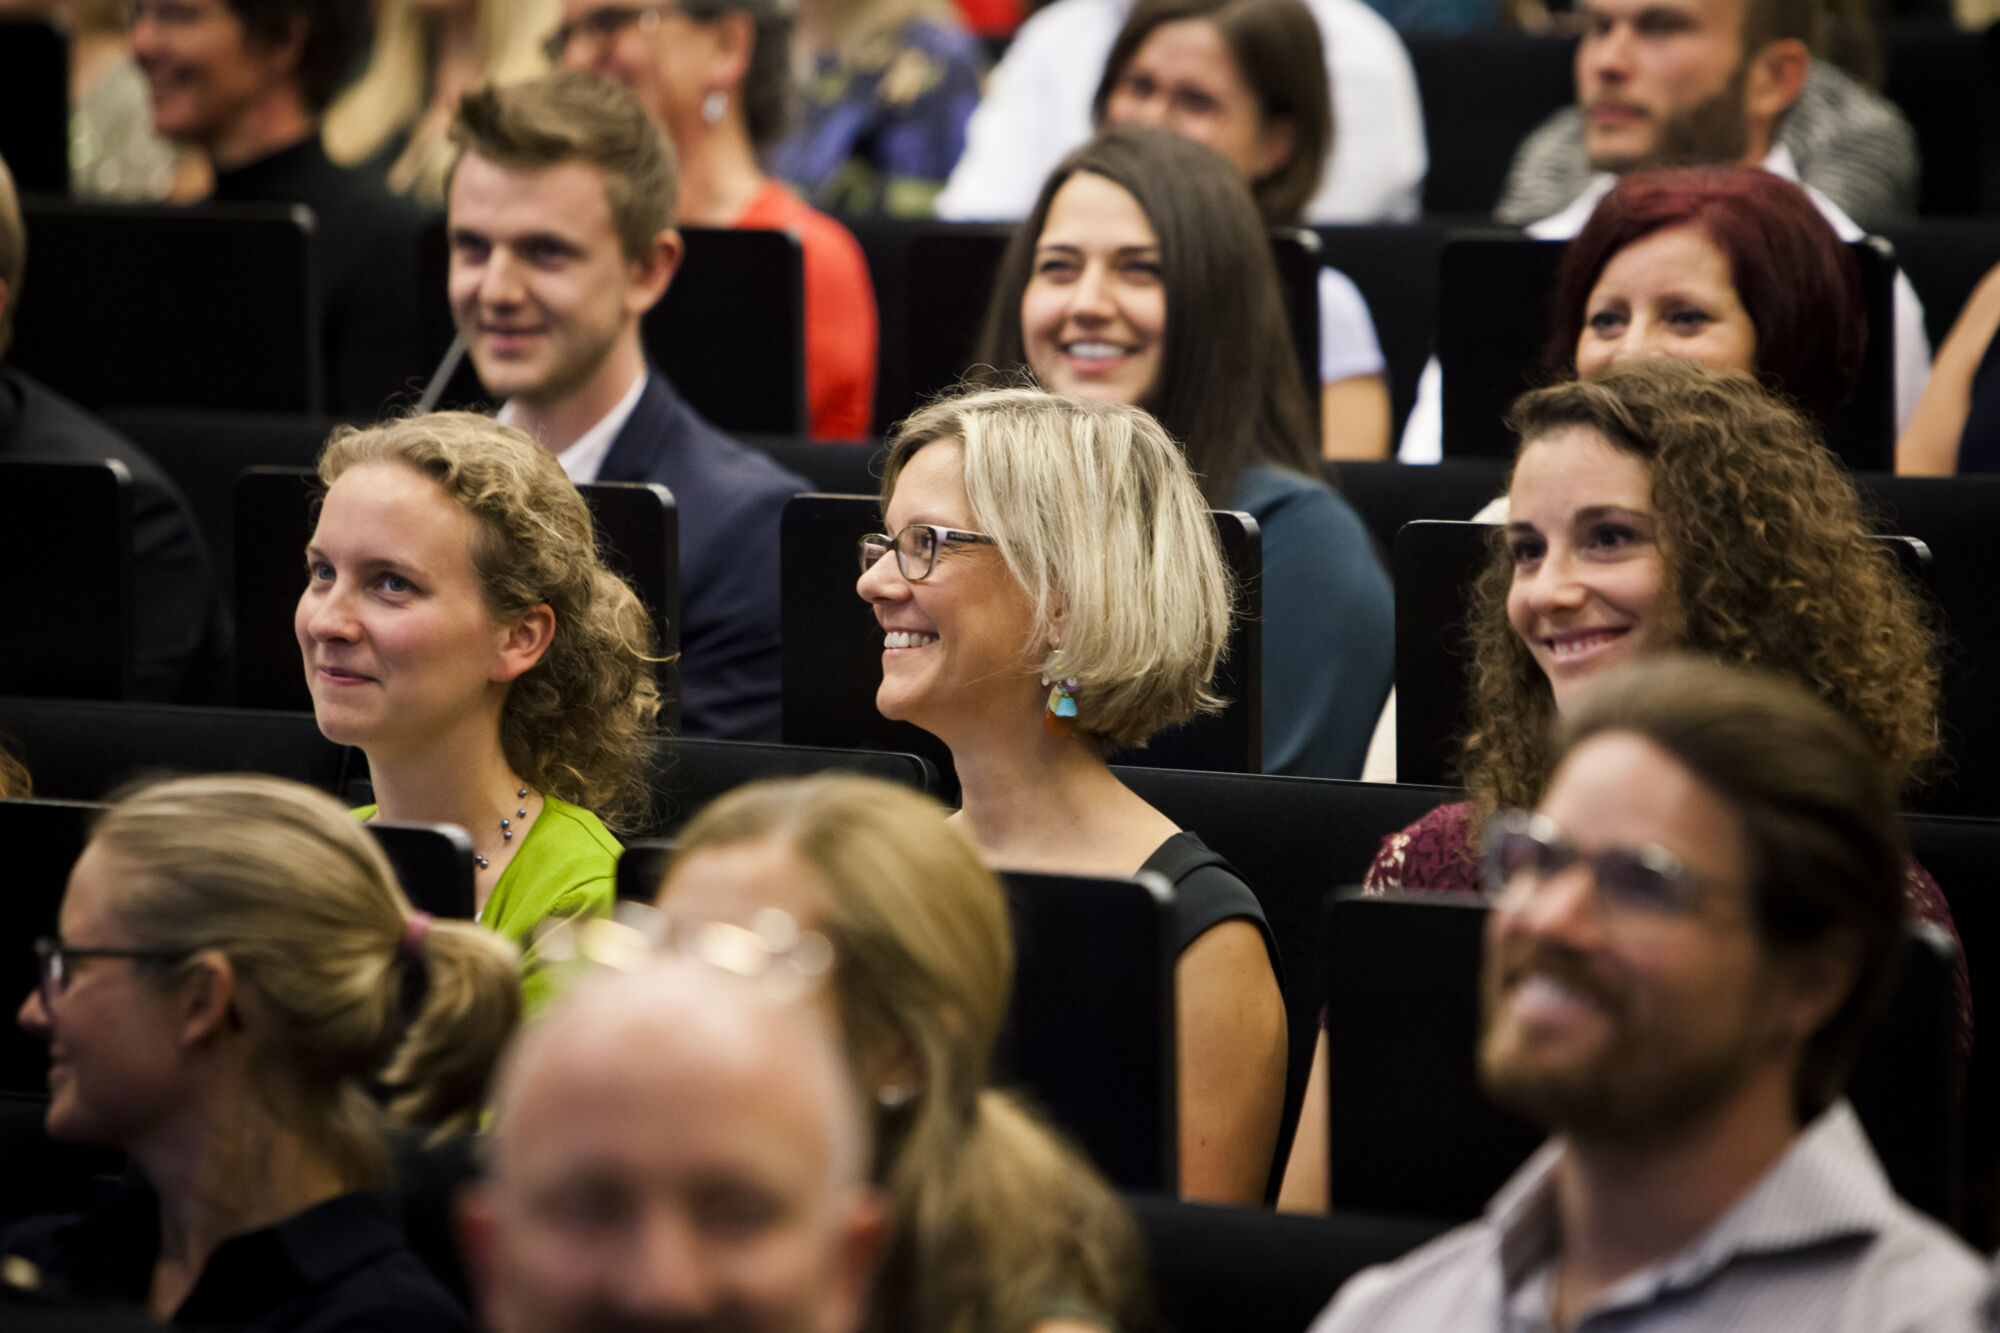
[584, 458]
[1037, 108]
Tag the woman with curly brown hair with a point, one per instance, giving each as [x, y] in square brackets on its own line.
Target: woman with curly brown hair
[459, 627]
[1664, 505]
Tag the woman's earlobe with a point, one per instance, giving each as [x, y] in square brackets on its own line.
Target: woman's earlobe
[527, 642]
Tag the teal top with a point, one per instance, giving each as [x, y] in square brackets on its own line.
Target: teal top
[567, 865]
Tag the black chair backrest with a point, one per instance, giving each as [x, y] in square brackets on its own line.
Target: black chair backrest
[34, 106]
[66, 547]
[1482, 93]
[1441, 1148]
[1291, 839]
[1944, 259]
[638, 534]
[1090, 1036]
[832, 648]
[1494, 299]
[1434, 566]
[730, 332]
[836, 469]
[204, 452]
[43, 838]
[1388, 495]
[687, 773]
[641, 867]
[81, 330]
[951, 268]
[1947, 81]
[83, 750]
[1395, 266]
[433, 864]
[1219, 1269]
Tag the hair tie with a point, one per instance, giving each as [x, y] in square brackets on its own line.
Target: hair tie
[414, 932]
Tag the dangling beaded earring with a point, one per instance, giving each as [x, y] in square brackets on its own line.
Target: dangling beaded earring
[1059, 718]
[714, 106]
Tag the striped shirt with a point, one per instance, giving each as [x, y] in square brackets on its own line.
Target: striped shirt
[1851, 144]
[1820, 1244]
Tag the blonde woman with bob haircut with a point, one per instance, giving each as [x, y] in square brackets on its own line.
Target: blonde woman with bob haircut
[396, 118]
[996, 1224]
[459, 626]
[1050, 588]
[235, 969]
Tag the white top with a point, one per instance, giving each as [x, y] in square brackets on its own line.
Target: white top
[1423, 433]
[584, 459]
[1037, 108]
[1347, 342]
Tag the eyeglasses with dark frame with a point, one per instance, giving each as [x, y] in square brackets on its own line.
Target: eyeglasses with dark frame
[602, 25]
[1523, 851]
[917, 547]
[52, 959]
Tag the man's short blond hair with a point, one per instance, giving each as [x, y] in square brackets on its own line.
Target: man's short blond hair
[576, 117]
[1103, 525]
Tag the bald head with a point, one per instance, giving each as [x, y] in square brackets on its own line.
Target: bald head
[672, 1150]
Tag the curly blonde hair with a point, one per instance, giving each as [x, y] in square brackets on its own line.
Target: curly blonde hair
[576, 725]
[1770, 564]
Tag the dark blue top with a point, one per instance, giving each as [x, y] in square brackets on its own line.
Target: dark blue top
[338, 1267]
[1329, 625]
[728, 499]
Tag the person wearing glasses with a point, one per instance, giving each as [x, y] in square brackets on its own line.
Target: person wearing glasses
[236, 977]
[995, 1224]
[1050, 588]
[1687, 941]
[1664, 505]
[717, 74]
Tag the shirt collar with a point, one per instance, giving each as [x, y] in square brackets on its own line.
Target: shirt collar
[1567, 223]
[1828, 1186]
[584, 458]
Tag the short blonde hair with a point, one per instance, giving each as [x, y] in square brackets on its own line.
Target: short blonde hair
[576, 725]
[295, 892]
[1103, 525]
[995, 1218]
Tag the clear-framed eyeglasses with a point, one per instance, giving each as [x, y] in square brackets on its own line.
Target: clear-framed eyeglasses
[771, 950]
[1523, 851]
[917, 547]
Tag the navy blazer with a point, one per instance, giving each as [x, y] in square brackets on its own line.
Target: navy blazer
[729, 498]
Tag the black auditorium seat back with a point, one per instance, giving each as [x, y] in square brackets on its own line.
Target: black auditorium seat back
[1494, 302]
[1388, 495]
[833, 645]
[43, 839]
[1090, 1036]
[687, 773]
[34, 106]
[637, 529]
[433, 864]
[84, 750]
[1427, 1142]
[1947, 81]
[81, 330]
[1482, 93]
[730, 332]
[66, 549]
[834, 469]
[1395, 266]
[1291, 839]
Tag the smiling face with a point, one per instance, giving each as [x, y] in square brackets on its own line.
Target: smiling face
[1094, 314]
[1589, 589]
[662, 55]
[541, 289]
[1624, 1024]
[957, 643]
[112, 1032]
[1667, 294]
[400, 647]
[1662, 81]
[1184, 78]
[203, 71]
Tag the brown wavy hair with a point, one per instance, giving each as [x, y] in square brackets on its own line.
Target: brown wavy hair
[1769, 561]
[576, 725]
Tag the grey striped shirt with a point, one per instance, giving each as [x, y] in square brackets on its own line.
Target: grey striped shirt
[1820, 1245]
[1851, 144]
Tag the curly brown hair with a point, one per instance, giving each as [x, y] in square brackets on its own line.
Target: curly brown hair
[577, 724]
[1770, 564]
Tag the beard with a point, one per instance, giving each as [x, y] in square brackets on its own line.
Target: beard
[1641, 1085]
[1713, 130]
